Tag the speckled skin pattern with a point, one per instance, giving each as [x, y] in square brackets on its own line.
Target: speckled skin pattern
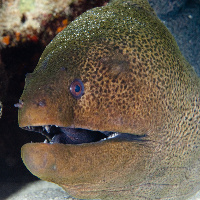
[136, 81]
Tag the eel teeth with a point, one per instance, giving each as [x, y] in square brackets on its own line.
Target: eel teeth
[112, 135]
[45, 141]
[47, 128]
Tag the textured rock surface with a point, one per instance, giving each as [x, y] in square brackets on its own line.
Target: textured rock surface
[27, 18]
[41, 190]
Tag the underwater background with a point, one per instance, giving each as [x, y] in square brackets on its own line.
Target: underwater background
[25, 30]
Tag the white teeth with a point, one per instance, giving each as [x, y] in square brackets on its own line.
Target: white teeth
[47, 128]
[51, 141]
[45, 141]
[112, 135]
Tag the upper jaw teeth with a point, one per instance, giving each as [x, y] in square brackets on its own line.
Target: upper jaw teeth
[45, 141]
[47, 128]
[111, 136]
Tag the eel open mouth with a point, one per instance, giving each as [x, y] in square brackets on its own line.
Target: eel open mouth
[66, 135]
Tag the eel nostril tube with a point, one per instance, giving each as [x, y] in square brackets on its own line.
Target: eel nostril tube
[20, 104]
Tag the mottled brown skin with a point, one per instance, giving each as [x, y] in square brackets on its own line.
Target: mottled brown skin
[136, 81]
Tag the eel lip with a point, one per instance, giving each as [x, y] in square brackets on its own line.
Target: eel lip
[67, 135]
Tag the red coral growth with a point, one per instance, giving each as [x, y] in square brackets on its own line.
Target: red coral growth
[33, 38]
[6, 40]
[64, 25]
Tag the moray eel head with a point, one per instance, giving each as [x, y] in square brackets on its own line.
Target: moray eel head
[109, 93]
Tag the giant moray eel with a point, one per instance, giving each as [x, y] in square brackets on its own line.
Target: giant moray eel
[120, 107]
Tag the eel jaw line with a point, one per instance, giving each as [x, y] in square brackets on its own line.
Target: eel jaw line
[68, 135]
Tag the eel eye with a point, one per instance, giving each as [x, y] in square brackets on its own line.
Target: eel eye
[77, 88]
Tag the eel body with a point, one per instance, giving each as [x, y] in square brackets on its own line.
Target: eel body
[119, 105]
